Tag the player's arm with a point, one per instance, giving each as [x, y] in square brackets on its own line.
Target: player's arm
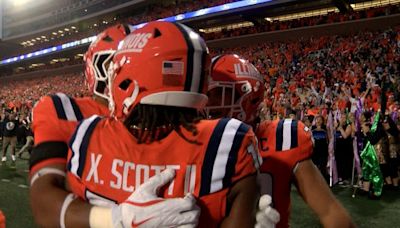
[345, 132]
[55, 207]
[244, 194]
[47, 197]
[47, 164]
[318, 196]
[242, 202]
[48, 193]
[313, 188]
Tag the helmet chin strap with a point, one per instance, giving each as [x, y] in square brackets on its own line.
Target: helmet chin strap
[130, 100]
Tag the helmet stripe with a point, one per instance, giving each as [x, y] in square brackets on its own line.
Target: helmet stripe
[215, 60]
[203, 69]
[127, 29]
[197, 51]
[189, 65]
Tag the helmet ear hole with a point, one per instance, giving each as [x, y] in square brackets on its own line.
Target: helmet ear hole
[157, 33]
[108, 39]
[124, 85]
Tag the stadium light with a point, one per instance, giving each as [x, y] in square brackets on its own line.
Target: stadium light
[19, 3]
[189, 15]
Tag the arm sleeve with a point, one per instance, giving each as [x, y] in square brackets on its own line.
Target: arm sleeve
[47, 126]
[47, 153]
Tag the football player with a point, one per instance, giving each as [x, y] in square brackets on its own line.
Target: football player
[236, 89]
[158, 85]
[54, 120]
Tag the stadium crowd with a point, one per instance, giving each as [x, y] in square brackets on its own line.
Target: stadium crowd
[332, 17]
[20, 96]
[17, 98]
[156, 11]
[340, 78]
[338, 75]
[301, 73]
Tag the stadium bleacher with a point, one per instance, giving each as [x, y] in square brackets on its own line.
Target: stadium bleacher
[158, 11]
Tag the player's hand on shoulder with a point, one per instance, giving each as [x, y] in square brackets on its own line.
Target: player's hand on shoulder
[145, 209]
[267, 217]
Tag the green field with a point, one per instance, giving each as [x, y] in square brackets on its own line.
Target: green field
[366, 213]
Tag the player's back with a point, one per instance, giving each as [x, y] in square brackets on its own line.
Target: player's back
[282, 144]
[106, 164]
[54, 119]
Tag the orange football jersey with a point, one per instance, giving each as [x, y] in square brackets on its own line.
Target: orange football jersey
[282, 144]
[106, 164]
[55, 119]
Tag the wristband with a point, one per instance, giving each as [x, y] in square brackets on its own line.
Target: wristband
[67, 201]
[101, 217]
[46, 171]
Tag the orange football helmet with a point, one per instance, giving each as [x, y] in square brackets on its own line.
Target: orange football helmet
[161, 63]
[99, 56]
[236, 88]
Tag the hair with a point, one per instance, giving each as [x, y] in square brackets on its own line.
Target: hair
[153, 122]
[320, 116]
[323, 126]
[367, 115]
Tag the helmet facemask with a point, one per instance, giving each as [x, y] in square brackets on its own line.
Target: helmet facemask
[99, 57]
[236, 89]
[101, 63]
[227, 98]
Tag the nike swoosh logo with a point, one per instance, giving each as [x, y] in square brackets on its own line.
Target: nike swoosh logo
[149, 203]
[134, 225]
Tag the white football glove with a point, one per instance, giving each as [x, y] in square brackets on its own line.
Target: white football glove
[145, 209]
[267, 217]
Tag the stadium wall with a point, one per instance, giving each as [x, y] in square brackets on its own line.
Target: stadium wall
[44, 73]
[350, 27]
[1, 20]
[341, 28]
